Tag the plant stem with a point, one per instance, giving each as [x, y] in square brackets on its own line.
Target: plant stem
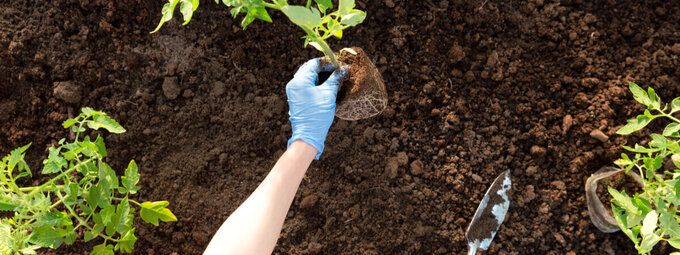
[42, 187]
[328, 52]
[82, 222]
[309, 3]
[129, 200]
[272, 6]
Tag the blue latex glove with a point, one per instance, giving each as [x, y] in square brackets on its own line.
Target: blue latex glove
[311, 107]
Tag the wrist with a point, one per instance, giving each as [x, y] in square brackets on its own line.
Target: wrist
[303, 149]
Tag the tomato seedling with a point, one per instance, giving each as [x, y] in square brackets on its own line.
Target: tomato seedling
[319, 22]
[651, 215]
[84, 195]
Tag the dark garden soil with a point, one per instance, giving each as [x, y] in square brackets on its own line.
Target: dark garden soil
[475, 88]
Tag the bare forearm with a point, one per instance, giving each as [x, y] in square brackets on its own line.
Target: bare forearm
[256, 225]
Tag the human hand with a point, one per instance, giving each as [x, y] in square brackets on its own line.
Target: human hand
[311, 107]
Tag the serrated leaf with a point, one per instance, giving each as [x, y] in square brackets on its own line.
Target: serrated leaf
[353, 18]
[639, 94]
[167, 12]
[642, 204]
[69, 122]
[654, 100]
[675, 242]
[325, 4]
[187, 9]
[623, 200]
[635, 124]
[675, 105]
[105, 122]
[47, 236]
[152, 212]
[649, 223]
[101, 146]
[107, 214]
[131, 178]
[107, 177]
[671, 129]
[302, 16]
[263, 15]
[122, 220]
[98, 197]
[648, 243]
[54, 162]
[345, 7]
[53, 219]
[127, 242]
[102, 249]
[676, 161]
[669, 224]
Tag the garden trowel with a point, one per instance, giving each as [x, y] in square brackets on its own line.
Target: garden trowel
[490, 214]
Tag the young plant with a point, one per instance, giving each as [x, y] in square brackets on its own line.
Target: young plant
[652, 215]
[319, 23]
[84, 195]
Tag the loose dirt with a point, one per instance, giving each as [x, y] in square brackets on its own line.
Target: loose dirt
[473, 86]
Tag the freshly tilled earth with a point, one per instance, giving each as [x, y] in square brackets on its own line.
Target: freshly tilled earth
[475, 88]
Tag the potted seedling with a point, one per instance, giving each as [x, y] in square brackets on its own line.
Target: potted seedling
[650, 215]
[83, 198]
[363, 94]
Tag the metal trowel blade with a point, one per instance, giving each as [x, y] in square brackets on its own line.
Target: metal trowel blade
[490, 214]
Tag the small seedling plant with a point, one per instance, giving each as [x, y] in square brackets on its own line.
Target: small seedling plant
[83, 198]
[651, 215]
[319, 22]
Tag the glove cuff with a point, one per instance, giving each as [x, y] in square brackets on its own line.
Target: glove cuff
[318, 146]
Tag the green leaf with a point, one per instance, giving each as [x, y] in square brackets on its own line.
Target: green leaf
[167, 13]
[101, 146]
[658, 141]
[187, 9]
[107, 214]
[623, 200]
[54, 162]
[69, 122]
[53, 219]
[654, 100]
[675, 105]
[102, 249]
[345, 7]
[639, 94]
[672, 129]
[642, 204]
[127, 242]
[649, 223]
[122, 220]
[249, 18]
[669, 224]
[648, 242]
[151, 212]
[105, 122]
[324, 4]
[98, 196]
[355, 17]
[107, 177]
[47, 236]
[131, 178]
[675, 242]
[88, 111]
[89, 235]
[635, 124]
[676, 160]
[302, 16]
[263, 15]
